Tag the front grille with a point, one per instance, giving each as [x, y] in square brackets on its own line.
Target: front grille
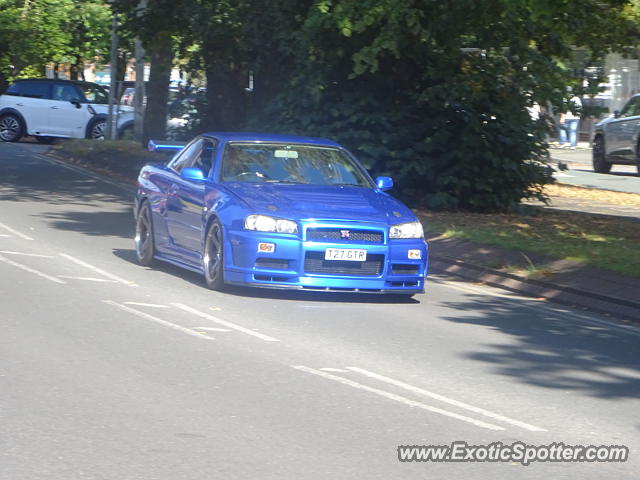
[404, 269]
[345, 235]
[277, 263]
[314, 262]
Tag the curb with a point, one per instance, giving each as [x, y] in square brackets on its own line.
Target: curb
[603, 304]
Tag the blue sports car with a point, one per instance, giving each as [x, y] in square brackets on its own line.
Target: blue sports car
[277, 211]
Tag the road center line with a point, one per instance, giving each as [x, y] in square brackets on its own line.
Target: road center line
[397, 398]
[151, 305]
[450, 401]
[87, 279]
[15, 232]
[159, 321]
[30, 270]
[8, 252]
[97, 270]
[225, 323]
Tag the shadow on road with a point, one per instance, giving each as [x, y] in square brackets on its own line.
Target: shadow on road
[94, 222]
[26, 179]
[249, 292]
[553, 351]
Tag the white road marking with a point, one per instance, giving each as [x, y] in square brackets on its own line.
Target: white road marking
[8, 252]
[87, 279]
[97, 270]
[213, 329]
[150, 305]
[30, 270]
[225, 323]
[159, 321]
[4, 235]
[555, 310]
[563, 175]
[450, 401]
[397, 398]
[336, 370]
[15, 232]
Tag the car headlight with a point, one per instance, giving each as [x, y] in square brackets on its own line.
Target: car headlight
[264, 223]
[406, 230]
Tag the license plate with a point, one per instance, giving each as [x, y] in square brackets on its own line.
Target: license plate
[350, 254]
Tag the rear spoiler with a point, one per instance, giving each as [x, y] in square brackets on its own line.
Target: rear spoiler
[164, 146]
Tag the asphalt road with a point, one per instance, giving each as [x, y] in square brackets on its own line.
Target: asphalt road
[109, 370]
[622, 178]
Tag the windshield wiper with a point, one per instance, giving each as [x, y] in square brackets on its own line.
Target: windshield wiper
[285, 181]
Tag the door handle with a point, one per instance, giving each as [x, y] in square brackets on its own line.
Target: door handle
[173, 190]
[20, 104]
[54, 108]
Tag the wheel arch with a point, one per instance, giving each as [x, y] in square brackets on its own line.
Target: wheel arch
[124, 127]
[96, 118]
[13, 111]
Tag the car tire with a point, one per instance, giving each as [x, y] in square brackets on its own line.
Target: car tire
[11, 129]
[97, 129]
[45, 140]
[213, 256]
[600, 164]
[144, 240]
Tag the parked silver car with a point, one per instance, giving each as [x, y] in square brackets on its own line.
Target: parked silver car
[617, 138]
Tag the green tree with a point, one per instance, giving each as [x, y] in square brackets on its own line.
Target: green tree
[31, 35]
[435, 93]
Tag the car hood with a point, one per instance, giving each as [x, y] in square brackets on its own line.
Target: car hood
[322, 202]
[606, 120]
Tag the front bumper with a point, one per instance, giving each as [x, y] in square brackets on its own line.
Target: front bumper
[298, 263]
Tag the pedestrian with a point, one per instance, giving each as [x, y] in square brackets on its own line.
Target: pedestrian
[569, 122]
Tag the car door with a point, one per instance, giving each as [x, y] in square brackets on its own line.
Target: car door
[67, 119]
[30, 99]
[185, 198]
[621, 132]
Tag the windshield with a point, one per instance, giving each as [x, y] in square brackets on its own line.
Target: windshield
[94, 93]
[284, 163]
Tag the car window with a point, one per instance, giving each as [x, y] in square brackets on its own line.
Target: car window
[188, 157]
[204, 161]
[65, 92]
[632, 108]
[94, 93]
[33, 89]
[13, 90]
[316, 165]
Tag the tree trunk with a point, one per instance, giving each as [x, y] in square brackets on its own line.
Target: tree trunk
[155, 119]
[226, 102]
[4, 82]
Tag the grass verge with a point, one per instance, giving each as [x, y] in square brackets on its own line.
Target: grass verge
[610, 243]
[121, 159]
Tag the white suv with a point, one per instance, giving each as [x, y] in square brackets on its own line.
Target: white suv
[49, 109]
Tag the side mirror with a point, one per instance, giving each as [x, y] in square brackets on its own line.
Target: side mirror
[192, 174]
[76, 102]
[384, 183]
[616, 113]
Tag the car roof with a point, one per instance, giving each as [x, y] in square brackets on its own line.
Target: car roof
[56, 80]
[269, 137]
